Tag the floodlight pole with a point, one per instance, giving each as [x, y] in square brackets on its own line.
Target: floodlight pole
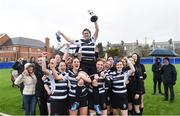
[173, 50]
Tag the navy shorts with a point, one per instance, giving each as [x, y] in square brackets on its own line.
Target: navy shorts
[119, 101]
[102, 101]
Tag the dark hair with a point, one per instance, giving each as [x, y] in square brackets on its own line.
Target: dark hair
[138, 58]
[166, 58]
[86, 30]
[156, 60]
[99, 59]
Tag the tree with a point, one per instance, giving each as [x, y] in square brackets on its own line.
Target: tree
[113, 52]
[145, 51]
[100, 48]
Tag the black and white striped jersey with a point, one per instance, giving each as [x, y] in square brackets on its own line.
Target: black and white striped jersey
[119, 81]
[101, 86]
[87, 48]
[49, 81]
[73, 85]
[60, 87]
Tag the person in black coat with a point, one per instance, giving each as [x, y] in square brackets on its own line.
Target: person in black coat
[19, 66]
[41, 93]
[169, 76]
[142, 73]
[156, 69]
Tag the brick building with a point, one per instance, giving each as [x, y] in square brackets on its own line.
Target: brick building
[13, 48]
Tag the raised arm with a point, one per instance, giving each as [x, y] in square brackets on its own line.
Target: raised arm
[96, 30]
[44, 68]
[132, 69]
[65, 37]
[55, 74]
[66, 54]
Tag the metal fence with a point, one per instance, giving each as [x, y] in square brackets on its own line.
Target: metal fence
[151, 60]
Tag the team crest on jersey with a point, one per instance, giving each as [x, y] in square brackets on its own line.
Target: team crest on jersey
[104, 105]
[124, 106]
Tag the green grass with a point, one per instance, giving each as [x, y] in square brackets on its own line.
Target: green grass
[155, 104]
[10, 98]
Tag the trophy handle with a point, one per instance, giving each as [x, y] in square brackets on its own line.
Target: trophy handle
[93, 18]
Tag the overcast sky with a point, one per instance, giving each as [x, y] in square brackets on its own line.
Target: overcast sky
[127, 20]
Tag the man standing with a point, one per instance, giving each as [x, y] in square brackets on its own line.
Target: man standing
[169, 76]
[156, 69]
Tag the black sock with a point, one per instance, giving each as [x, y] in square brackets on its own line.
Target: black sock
[96, 95]
[141, 110]
[138, 113]
[131, 112]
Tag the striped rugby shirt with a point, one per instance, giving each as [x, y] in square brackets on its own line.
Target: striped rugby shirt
[73, 84]
[87, 48]
[101, 86]
[60, 87]
[119, 81]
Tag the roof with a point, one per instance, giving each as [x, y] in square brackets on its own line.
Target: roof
[2, 34]
[25, 42]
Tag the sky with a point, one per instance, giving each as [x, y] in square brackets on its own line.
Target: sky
[127, 20]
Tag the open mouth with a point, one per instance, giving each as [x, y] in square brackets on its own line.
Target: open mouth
[76, 66]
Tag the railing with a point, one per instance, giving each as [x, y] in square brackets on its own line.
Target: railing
[149, 60]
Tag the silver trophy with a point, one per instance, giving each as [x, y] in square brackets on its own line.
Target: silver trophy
[93, 18]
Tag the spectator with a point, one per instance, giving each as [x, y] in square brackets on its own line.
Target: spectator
[156, 69]
[19, 66]
[40, 90]
[169, 74]
[29, 80]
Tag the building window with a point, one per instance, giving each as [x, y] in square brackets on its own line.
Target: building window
[38, 50]
[14, 48]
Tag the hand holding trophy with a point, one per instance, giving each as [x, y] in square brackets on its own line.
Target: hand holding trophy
[93, 18]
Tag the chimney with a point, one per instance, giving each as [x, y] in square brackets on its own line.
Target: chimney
[3, 38]
[47, 42]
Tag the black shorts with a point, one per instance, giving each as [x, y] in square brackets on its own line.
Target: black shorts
[59, 107]
[108, 96]
[136, 101]
[102, 101]
[130, 96]
[89, 67]
[119, 100]
[83, 102]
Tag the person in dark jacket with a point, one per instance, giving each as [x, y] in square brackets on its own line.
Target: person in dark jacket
[142, 76]
[169, 76]
[19, 66]
[40, 90]
[156, 69]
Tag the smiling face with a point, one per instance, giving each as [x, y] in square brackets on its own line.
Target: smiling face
[76, 64]
[119, 66]
[135, 57]
[110, 59]
[52, 62]
[58, 58]
[107, 65]
[86, 34]
[39, 61]
[132, 60]
[30, 69]
[99, 66]
[62, 66]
